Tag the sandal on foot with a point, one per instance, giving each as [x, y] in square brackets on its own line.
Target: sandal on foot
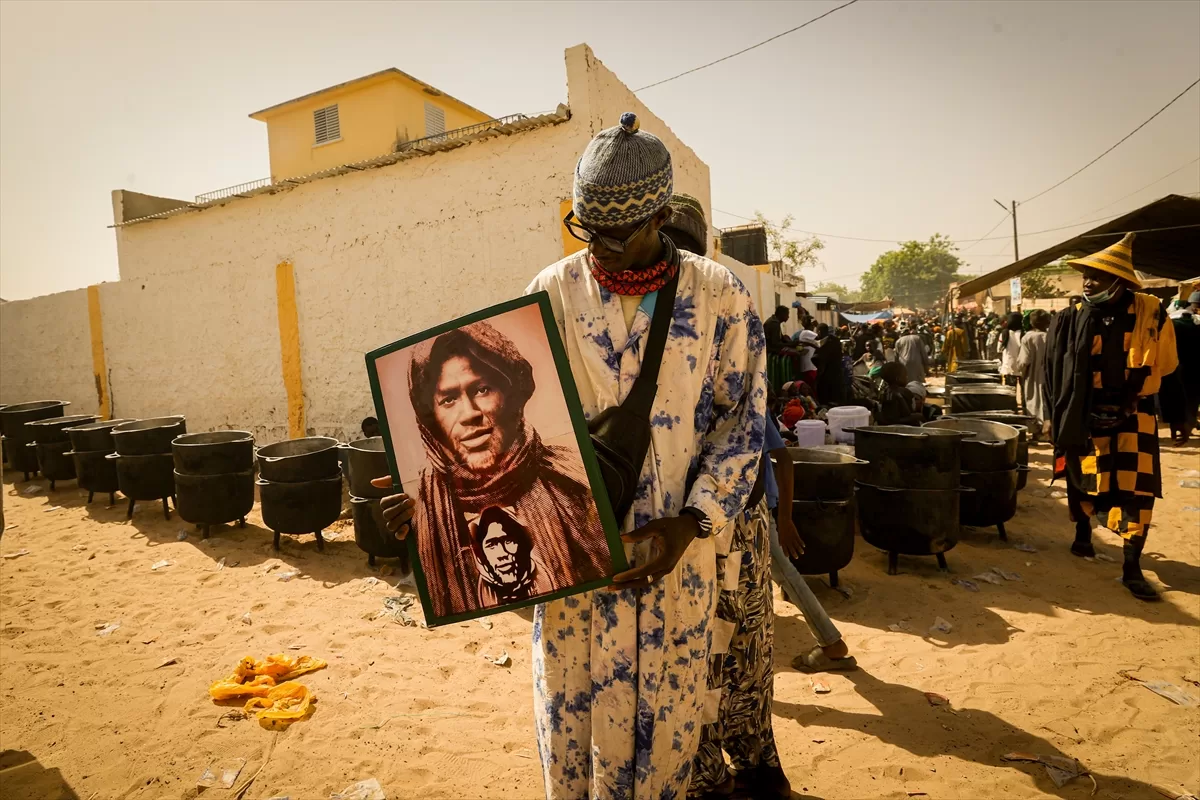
[815, 661]
[1083, 549]
[1141, 588]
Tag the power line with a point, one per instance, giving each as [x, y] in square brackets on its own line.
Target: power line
[746, 50]
[989, 233]
[1135, 191]
[1114, 147]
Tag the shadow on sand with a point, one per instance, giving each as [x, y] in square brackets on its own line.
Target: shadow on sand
[22, 777]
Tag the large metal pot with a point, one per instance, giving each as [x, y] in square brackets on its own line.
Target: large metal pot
[982, 397]
[827, 530]
[206, 500]
[216, 453]
[54, 429]
[148, 436]
[994, 501]
[993, 445]
[371, 534]
[95, 473]
[146, 477]
[12, 423]
[969, 378]
[95, 436]
[978, 365]
[313, 458]
[909, 522]
[54, 461]
[366, 459]
[909, 457]
[301, 506]
[1022, 422]
[823, 474]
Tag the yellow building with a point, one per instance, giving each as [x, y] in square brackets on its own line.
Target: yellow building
[358, 120]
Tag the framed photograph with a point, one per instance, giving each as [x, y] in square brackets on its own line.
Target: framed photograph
[484, 430]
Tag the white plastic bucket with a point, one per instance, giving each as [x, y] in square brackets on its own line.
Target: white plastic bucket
[841, 417]
[809, 432]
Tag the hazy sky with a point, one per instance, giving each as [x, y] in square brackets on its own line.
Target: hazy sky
[886, 120]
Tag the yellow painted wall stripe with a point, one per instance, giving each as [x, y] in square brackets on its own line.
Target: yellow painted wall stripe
[289, 346]
[99, 371]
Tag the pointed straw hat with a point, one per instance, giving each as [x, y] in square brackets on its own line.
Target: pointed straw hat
[1115, 260]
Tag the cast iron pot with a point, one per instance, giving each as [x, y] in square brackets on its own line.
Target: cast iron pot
[371, 534]
[54, 461]
[95, 436]
[979, 365]
[303, 506]
[96, 473]
[994, 501]
[55, 429]
[216, 453]
[970, 378]
[823, 474]
[148, 477]
[909, 457]
[993, 445]
[147, 437]
[206, 500]
[12, 422]
[313, 458]
[827, 530]
[982, 397]
[1021, 422]
[366, 459]
[909, 522]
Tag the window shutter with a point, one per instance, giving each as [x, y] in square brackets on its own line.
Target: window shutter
[435, 120]
[326, 126]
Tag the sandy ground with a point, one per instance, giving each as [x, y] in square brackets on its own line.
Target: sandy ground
[1029, 666]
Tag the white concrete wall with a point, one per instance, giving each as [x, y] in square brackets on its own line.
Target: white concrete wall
[192, 327]
[46, 351]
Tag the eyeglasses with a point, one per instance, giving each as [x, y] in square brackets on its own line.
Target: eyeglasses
[607, 242]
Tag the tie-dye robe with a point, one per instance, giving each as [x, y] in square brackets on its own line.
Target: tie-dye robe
[620, 676]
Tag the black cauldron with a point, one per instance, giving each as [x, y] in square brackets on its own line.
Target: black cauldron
[372, 536]
[991, 446]
[982, 397]
[1022, 422]
[827, 530]
[207, 500]
[54, 461]
[96, 473]
[95, 436]
[303, 506]
[313, 458]
[366, 459]
[55, 429]
[909, 522]
[147, 437]
[12, 423]
[978, 365]
[993, 501]
[969, 378]
[146, 477]
[823, 474]
[909, 457]
[217, 453]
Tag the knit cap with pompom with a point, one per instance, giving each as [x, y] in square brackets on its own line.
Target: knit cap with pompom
[623, 177]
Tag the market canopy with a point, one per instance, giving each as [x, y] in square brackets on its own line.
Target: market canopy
[1167, 243]
[871, 317]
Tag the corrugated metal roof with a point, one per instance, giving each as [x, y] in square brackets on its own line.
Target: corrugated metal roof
[1166, 246]
[425, 148]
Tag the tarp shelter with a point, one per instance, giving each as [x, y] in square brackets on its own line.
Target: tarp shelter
[1167, 243]
[876, 316]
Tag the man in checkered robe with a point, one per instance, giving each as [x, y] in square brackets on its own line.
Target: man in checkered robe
[1105, 362]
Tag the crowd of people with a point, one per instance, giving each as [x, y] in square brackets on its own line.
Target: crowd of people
[661, 685]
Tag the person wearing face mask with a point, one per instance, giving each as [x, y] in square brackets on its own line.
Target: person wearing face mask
[1106, 360]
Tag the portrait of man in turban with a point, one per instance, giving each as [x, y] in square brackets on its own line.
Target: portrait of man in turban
[500, 515]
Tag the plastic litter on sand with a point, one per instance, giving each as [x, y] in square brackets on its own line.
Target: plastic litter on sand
[16, 554]
[106, 629]
[502, 660]
[970, 586]
[368, 789]
[157, 565]
[1192, 484]
[941, 626]
[1026, 548]
[223, 774]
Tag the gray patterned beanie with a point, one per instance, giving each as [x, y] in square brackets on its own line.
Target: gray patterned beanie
[623, 177]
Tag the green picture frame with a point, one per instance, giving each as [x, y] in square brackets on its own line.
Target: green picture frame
[612, 533]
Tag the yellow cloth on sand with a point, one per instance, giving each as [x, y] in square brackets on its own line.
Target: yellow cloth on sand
[254, 678]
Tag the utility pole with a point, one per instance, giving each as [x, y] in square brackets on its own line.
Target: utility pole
[1016, 248]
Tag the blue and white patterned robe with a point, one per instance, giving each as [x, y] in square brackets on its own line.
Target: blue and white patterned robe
[620, 676]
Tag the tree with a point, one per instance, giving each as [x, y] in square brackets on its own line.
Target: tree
[794, 255]
[843, 294]
[1040, 282]
[915, 275]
